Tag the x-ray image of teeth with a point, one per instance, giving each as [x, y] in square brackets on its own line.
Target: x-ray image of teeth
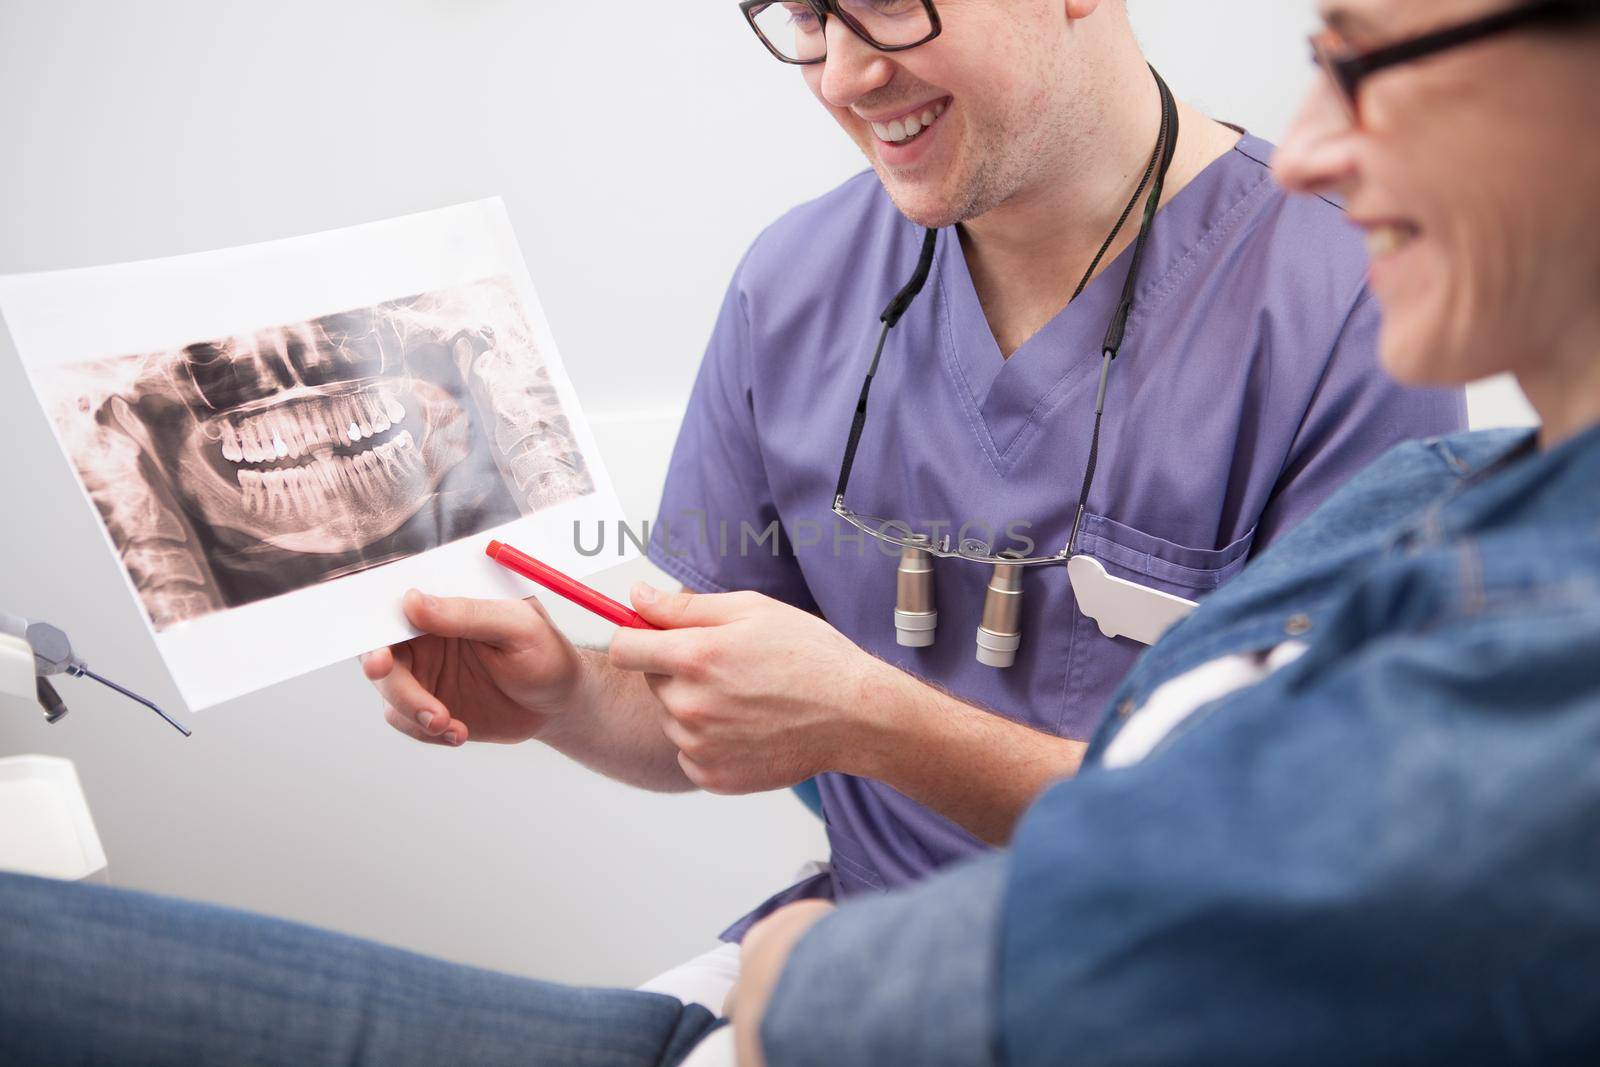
[232, 469]
[277, 440]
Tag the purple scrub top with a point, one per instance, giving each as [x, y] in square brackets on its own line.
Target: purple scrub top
[1247, 390]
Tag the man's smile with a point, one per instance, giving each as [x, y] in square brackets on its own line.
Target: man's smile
[907, 125]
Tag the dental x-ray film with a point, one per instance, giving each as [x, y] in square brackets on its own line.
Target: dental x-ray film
[279, 439]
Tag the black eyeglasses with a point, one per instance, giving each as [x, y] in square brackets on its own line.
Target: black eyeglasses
[796, 30]
[1349, 69]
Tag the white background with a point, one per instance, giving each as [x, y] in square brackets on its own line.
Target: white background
[639, 147]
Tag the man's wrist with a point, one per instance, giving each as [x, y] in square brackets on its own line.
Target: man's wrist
[584, 695]
[973, 766]
[885, 719]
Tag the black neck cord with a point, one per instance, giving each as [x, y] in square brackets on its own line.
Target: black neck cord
[1160, 162]
[1122, 220]
[1166, 146]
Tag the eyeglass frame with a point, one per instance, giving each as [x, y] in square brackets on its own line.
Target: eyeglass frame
[824, 8]
[941, 548]
[1349, 71]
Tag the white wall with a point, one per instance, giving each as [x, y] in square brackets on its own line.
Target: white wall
[639, 146]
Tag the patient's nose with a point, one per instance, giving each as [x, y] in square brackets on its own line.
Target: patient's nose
[1318, 153]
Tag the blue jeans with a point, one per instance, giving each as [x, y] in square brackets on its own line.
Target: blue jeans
[92, 975]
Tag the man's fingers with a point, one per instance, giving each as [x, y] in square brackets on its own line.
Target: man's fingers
[675, 732]
[401, 691]
[673, 610]
[494, 622]
[656, 652]
[407, 726]
[694, 772]
[377, 665]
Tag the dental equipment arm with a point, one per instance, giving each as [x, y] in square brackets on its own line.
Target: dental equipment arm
[50, 653]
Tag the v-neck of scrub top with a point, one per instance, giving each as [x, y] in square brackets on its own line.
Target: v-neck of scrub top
[1010, 397]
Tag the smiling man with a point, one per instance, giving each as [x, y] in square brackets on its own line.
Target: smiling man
[1060, 207]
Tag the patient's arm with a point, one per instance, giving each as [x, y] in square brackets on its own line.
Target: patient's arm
[907, 977]
[1380, 855]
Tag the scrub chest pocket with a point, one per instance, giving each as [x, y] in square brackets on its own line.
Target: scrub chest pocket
[1095, 662]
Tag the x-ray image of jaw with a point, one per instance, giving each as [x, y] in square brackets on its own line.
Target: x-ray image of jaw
[240, 468]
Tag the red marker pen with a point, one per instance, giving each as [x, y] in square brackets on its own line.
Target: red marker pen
[562, 585]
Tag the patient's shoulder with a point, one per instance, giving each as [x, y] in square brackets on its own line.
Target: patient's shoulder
[1476, 450]
[1421, 467]
[1409, 477]
[1368, 513]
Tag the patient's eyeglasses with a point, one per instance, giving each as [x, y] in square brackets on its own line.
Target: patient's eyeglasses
[1348, 68]
[796, 30]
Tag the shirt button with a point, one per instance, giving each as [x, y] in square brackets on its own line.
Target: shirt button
[1297, 625]
[1125, 709]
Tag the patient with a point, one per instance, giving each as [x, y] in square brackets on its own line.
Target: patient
[1348, 811]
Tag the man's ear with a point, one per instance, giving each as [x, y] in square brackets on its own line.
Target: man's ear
[1082, 9]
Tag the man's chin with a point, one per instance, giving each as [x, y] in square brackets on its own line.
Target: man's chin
[933, 209]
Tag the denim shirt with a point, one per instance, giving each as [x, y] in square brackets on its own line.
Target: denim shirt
[1387, 850]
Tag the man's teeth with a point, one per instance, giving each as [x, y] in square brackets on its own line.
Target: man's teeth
[303, 427]
[904, 129]
[1384, 240]
[310, 490]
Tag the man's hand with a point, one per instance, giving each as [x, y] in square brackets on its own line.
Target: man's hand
[756, 695]
[484, 670]
[762, 957]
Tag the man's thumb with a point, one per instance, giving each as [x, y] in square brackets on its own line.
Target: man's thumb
[494, 622]
[672, 611]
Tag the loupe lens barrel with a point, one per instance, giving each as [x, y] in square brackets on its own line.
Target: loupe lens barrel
[916, 620]
[1000, 632]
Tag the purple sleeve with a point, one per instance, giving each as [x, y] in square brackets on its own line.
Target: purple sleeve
[718, 529]
[1357, 413]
